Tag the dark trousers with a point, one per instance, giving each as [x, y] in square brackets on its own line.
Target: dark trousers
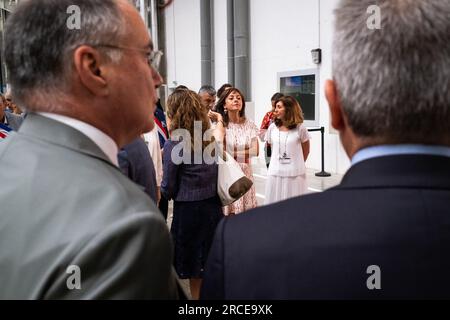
[268, 153]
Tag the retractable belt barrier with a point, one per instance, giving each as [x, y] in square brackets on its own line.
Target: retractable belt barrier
[322, 173]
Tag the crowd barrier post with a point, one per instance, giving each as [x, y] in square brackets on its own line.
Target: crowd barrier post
[322, 173]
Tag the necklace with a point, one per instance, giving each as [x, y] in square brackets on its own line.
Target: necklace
[285, 145]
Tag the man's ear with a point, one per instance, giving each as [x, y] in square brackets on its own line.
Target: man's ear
[336, 111]
[89, 66]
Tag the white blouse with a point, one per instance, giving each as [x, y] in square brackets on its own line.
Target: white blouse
[289, 142]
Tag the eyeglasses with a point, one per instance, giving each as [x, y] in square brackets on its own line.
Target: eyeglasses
[154, 57]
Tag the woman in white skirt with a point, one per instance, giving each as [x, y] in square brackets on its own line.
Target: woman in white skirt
[290, 148]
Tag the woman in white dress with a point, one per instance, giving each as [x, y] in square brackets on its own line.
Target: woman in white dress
[290, 148]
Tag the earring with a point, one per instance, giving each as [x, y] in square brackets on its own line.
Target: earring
[225, 110]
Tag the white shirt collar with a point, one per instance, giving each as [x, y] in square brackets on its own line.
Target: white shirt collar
[102, 140]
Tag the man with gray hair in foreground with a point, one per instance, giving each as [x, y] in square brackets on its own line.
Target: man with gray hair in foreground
[383, 233]
[72, 226]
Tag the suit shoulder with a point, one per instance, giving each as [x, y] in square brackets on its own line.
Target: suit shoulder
[77, 181]
[127, 249]
[304, 205]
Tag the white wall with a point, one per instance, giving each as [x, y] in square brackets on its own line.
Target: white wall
[281, 40]
[220, 43]
[335, 158]
[283, 33]
[183, 44]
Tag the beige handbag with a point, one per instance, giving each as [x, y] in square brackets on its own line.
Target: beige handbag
[232, 183]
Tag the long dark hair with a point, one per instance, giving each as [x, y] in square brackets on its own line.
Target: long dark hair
[220, 106]
[222, 89]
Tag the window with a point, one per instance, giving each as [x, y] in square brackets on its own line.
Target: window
[303, 85]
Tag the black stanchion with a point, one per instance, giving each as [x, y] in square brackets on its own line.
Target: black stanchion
[322, 173]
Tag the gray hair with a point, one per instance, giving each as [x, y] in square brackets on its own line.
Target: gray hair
[207, 89]
[39, 44]
[394, 82]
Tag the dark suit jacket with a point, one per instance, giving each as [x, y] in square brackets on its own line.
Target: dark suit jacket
[64, 204]
[392, 212]
[136, 163]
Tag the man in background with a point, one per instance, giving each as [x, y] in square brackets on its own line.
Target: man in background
[7, 118]
[12, 105]
[207, 96]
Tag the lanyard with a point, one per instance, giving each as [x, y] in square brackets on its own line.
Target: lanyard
[285, 144]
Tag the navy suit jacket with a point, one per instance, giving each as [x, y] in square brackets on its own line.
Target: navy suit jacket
[389, 212]
[136, 163]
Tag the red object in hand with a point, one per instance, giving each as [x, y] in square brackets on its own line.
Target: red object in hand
[267, 120]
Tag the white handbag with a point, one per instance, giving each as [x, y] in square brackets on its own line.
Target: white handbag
[232, 183]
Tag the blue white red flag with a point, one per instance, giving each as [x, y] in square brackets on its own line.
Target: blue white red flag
[4, 131]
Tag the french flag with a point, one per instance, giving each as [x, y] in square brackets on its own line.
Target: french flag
[4, 131]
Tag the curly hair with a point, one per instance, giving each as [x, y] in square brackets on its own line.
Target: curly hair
[184, 108]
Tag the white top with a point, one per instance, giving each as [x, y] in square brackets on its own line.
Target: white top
[289, 142]
[102, 140]
[152, 140]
